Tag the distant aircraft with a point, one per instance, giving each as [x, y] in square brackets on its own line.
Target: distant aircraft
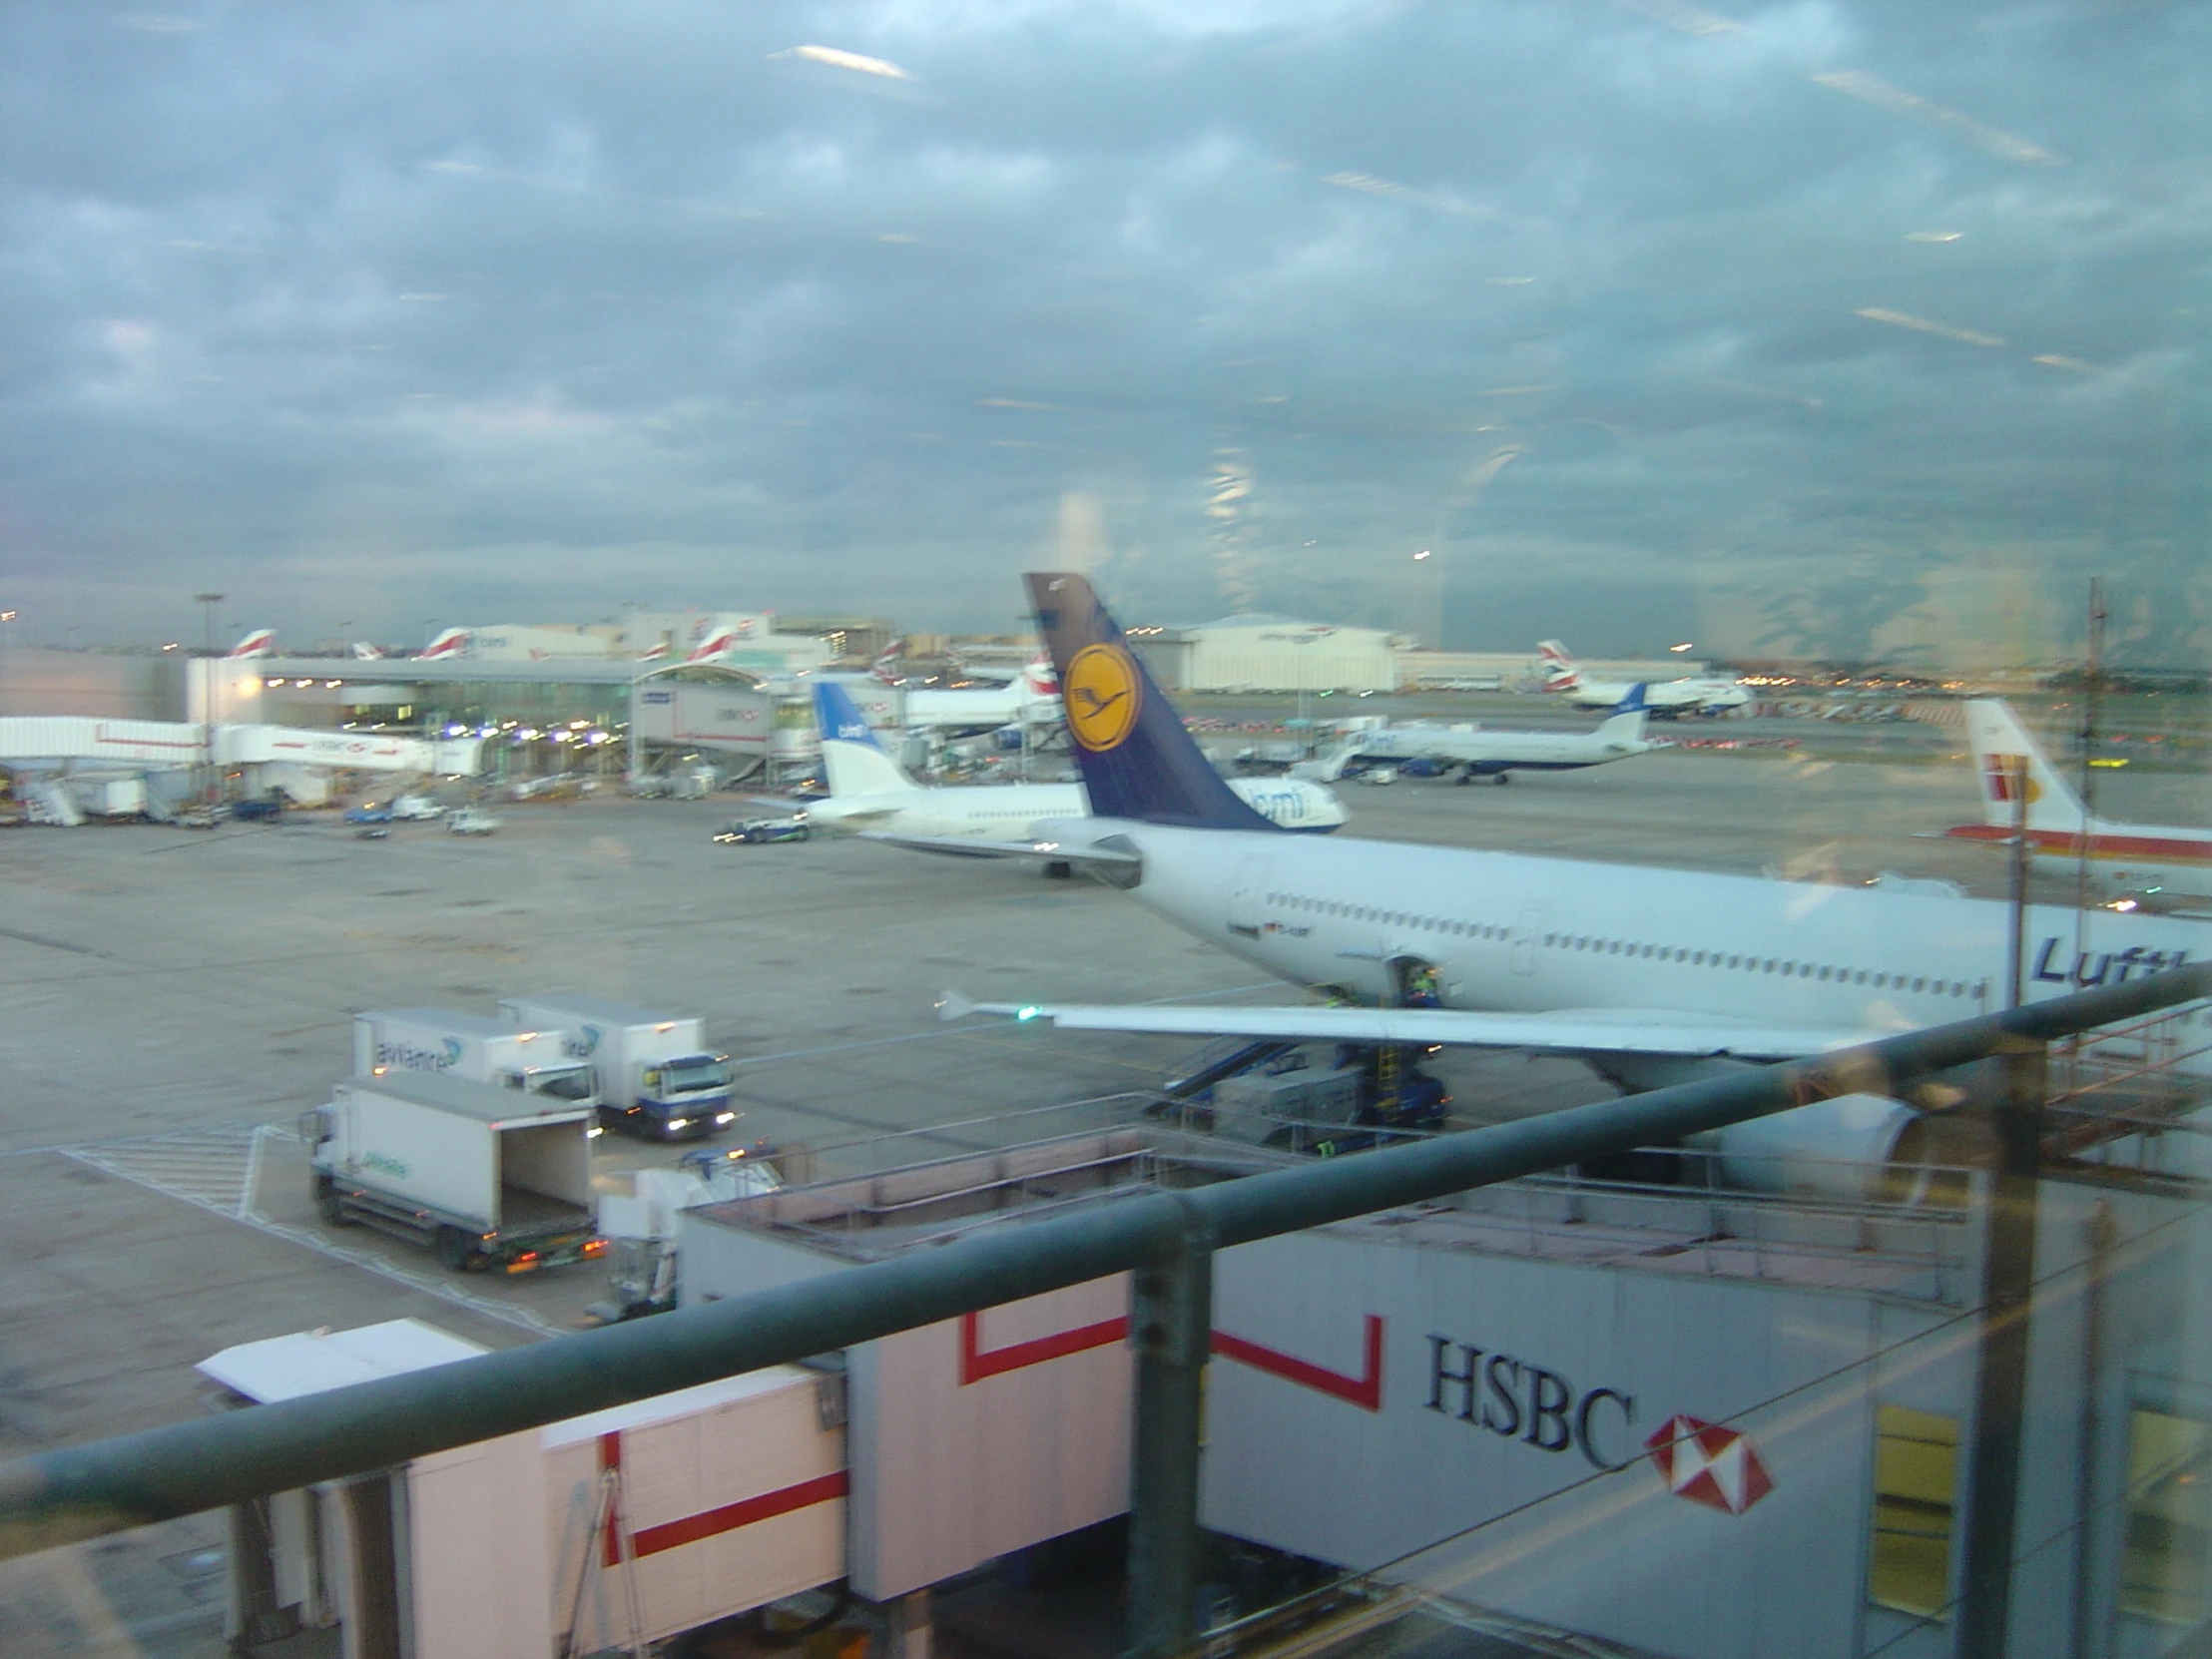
[1031, 698]
[452, 643]
[1666, 699]
[886, 666]
[1493, 754]
[1653, 976]
[869, 791]
[369, 653]
[714, 647]
[2150, 866]
[654, 653]
[257, 643]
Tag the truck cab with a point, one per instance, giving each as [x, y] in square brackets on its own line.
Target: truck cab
[683, 1096]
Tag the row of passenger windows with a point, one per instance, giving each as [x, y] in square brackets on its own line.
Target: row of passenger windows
[1875, 981]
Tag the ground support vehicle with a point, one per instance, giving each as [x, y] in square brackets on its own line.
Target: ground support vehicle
[470, 820]
[443, 1042]
[485, 1178]
[754, 829]
[655, 1077]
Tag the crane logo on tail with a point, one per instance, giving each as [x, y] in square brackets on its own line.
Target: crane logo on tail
[1999, 777]
[1101, 697]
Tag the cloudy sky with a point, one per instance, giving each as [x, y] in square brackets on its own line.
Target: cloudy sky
[1833, 326]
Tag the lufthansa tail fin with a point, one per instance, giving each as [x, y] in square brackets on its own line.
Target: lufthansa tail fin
[851, 759]
[1136, 759]
[2000, 742]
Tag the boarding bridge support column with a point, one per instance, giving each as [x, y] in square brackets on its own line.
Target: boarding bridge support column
[2001, 1380]
[1171, 1326]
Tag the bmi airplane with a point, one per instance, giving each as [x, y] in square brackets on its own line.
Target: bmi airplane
[2152, 866]
[869, 791]
[1493, 754]
[1651, 976]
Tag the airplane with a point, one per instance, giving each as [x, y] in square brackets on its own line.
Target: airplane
[1492, 754]
[714, 647]
[871, 791]
[368, 653]
[452, 643]
[2147, 867]
[1649, 976]
[1031, 698]
[657, 652]
[1665, 698]
[886, 666]
[257, 643]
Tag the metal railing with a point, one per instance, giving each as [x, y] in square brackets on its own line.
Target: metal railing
[1165, 1238]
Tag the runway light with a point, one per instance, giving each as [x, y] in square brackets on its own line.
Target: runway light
[1684, 646]
[1031, 1012]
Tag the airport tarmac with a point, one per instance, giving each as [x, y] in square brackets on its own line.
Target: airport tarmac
[170, 1001]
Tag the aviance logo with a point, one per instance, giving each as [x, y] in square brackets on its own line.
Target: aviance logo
[583, 1045]
[407, 1058]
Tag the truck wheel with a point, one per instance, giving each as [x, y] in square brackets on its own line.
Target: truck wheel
[451, 1247]
[329, 1203]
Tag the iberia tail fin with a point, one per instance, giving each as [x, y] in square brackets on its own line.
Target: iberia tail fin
[2000, 742]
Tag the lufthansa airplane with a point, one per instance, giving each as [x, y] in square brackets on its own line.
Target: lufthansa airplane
[1652, 976]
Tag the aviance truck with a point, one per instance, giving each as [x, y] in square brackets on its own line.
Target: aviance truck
[487, 1178]
[439, 1042]
[657, 1077]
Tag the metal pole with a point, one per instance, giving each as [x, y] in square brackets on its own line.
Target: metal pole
[1171, 1328]
[2015, 971]
[2001, 1381]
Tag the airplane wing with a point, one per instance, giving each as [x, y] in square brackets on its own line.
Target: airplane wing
[1568, 1031]
[1089, 854]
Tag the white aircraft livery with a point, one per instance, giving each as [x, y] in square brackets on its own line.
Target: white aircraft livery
[2138, 866]
[1705, 696]
[1650, 975]
[1493, 754]
[869, 791]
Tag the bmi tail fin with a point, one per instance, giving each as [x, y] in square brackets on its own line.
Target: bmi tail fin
[1634, 701]
[2000, 742]
[855, 763]
[1626, 725]
[1136, 759]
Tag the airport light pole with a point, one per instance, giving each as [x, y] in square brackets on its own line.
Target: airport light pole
[206, 603]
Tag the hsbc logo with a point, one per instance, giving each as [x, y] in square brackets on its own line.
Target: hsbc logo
[1708, 1464]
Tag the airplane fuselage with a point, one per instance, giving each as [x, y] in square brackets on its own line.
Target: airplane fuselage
[1011, 811]
[1512, 933]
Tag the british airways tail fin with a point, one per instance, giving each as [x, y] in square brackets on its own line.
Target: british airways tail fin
[1136, 760]
[853, 761]
[2000, 742]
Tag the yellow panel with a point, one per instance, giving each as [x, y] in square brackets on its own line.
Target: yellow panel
[1916, 1472]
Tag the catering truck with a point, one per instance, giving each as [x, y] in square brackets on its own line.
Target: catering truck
[443, 1043]
[655, 1077]
[486, 1177]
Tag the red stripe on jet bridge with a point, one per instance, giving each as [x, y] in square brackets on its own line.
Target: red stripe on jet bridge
[610, 1457]
[2067, 844]
[978, 1362]
[1364, 1390]
[712, 1523]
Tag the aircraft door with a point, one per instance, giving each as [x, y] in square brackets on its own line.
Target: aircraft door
[1245, 890]
[1523, 960]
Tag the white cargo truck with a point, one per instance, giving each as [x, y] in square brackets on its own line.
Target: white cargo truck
[445, 1043]
[657, 1077]
[486, 1177]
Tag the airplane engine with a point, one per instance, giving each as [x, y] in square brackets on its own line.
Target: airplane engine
[1850, 1148]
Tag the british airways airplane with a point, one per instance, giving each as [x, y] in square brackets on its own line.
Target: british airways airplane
[1651, 976]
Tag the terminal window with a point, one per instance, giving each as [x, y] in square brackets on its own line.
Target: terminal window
[2169, 1517]
[1916, 1482]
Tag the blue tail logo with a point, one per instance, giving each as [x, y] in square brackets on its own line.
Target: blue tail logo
[1137, 761]
[838, 718]
[1633, 702]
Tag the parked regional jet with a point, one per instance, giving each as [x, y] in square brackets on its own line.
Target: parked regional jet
[1493, 754]
[1707, 694]
[257, 643]
[869, 791]
[2151, 867]
[1652, 976]
[1031, 698]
